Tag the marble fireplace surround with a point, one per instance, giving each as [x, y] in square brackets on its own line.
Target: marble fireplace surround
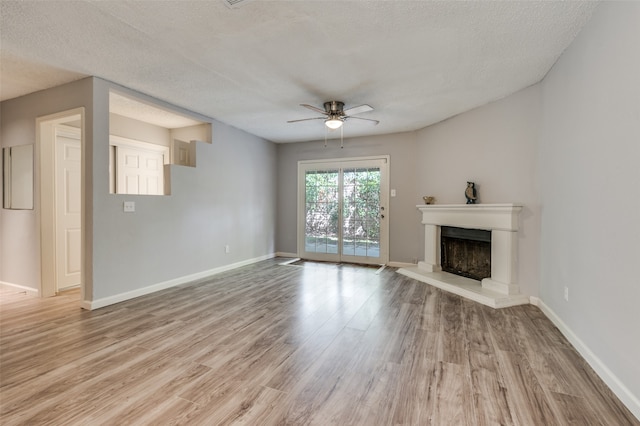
[498, 291]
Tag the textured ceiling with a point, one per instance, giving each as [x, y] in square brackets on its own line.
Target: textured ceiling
[415, 62]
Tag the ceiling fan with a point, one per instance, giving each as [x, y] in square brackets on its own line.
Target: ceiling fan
[335, 115]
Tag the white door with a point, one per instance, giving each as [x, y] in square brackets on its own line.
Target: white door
[139, 171]
[67, 207]
[342, 213]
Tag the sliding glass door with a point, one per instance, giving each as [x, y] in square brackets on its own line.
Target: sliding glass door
[342, 213]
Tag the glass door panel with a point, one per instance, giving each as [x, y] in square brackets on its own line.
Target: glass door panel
[361, 212]
[321, 211]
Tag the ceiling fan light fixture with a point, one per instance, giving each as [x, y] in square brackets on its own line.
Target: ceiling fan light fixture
[333, 122]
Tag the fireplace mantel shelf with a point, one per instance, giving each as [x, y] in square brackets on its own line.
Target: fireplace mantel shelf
[499, 206]
[501, 289]
[477, 216]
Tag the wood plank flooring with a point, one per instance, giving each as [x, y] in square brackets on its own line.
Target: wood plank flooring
[318, 344]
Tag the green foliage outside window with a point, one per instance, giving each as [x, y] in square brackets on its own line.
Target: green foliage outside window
[360, 211]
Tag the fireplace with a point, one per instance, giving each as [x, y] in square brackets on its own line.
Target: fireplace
[466, 252]
[493, 248]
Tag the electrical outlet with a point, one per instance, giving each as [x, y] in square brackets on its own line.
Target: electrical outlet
[566, 293]
[129, 206]
[227, 249]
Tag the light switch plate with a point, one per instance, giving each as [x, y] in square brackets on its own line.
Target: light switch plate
[129, 206]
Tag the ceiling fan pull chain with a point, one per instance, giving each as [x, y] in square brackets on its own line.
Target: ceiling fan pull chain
[341, 137]
[325, 136]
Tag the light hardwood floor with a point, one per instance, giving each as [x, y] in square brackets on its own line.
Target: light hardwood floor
[316, 344]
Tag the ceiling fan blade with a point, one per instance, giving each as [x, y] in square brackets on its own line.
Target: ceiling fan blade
[366, 119]
[306, 119]
[358, 110]
[311, 107]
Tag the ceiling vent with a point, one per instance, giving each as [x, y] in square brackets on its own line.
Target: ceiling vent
[235, 4]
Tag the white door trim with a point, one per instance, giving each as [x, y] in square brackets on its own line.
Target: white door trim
[45, 160]
[340, 163]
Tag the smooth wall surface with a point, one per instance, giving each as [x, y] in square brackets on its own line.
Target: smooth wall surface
[494, 146]
[589, 171]
[403, 222]
[138, 130]
[228, 199]
[20, 229]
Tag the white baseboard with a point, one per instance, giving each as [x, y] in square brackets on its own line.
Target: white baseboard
[110, 300]
[400, 264]
[285, 254]
[615, 384]
[30, 291]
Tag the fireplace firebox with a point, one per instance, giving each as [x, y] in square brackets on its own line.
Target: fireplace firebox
[466, 252]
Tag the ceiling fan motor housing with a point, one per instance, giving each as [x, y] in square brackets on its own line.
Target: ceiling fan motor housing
[334, 107]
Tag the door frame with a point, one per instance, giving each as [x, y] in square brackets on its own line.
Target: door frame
[340, 163]
[45, 166]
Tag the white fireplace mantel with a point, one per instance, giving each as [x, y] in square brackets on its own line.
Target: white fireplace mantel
[474, 216]
[499, 290]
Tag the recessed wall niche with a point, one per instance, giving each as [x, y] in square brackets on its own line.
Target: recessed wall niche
[144, 140]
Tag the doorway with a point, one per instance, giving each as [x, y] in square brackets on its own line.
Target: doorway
[342, 210]
[60, 163]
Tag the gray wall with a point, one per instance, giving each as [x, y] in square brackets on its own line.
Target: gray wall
[494, 146]
[589, 172]
[20, 229]
[403, 222]
[134, 129]
[229, 198]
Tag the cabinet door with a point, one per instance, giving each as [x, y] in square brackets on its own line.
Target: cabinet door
[139, 171]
